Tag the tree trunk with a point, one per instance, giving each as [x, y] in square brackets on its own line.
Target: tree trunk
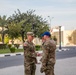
[12, 41]
[2, 35]
[23, 38]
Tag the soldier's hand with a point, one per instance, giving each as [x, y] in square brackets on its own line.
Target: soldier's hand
[41, 59]
[36, 61]
[41, 70]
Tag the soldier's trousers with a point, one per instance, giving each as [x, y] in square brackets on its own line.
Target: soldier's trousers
[50, 70]
[29, 69]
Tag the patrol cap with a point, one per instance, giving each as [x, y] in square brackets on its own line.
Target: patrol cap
[30, 33]
[46, 33]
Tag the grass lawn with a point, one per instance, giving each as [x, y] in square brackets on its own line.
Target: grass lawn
[2, 51]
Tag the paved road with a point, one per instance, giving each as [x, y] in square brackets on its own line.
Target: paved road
[65, 64]
[63, 67]
[11, 61]
[66, 54]
[18, 60]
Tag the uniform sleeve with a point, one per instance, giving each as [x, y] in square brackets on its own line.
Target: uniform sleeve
[34, 55]
[25, 45]
[26, 48]
[46, 53]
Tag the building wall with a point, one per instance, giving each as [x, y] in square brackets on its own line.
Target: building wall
[56, 34]
[68, 37]
[74, 37]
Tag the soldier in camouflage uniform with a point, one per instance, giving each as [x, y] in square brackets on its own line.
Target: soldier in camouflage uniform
[48, 57]
[29, 55]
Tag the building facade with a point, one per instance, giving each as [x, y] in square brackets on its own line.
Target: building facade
[68, 37]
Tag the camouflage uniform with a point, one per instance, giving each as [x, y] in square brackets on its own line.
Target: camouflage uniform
[29, 58]
[48, 57]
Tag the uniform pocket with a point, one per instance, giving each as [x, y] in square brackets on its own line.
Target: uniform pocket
[51, 61]
[27, 67]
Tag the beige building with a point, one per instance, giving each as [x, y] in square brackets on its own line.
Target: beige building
[68, 37]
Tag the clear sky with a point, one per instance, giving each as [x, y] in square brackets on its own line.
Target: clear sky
[62, 11]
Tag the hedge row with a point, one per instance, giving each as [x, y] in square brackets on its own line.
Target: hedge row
[38, 47]
[4, 46]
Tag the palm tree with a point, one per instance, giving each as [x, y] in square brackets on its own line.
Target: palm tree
[3, 22]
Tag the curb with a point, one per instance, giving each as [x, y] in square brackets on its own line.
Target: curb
[10, 54]
[60, 50]
[16, 54]
[21, 53]
[38, 56]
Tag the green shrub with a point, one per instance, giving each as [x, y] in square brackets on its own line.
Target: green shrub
[38, 47]
[12, 49]
[9, 46]
[17, 45]
[3, 46]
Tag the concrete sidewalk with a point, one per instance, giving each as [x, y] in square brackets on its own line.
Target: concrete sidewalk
[62, 67]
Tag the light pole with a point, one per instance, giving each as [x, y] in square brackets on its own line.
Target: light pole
[59, 37]
[50, 18]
